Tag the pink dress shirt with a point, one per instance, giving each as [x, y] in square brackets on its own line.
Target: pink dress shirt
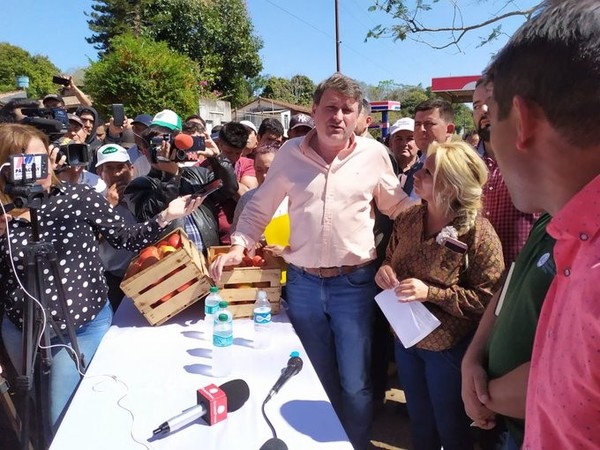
[330, 205]
[563, 394]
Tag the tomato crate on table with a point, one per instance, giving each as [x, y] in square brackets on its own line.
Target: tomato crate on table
[168, 282]
[239, 285]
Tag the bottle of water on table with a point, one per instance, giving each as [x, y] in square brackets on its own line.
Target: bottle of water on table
[222, 342]
[262, 320]
[211, 306]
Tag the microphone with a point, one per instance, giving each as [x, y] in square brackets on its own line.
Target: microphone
[183, 141]
[274, 444]
[213, 405]
[294, 366]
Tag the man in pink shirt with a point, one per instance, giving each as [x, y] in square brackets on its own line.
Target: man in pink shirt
[544, 111]
[331, 178]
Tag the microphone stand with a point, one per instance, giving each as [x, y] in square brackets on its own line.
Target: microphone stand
[33, 324]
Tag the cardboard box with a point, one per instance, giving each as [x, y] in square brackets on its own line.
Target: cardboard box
[170, 285]
[239, 285]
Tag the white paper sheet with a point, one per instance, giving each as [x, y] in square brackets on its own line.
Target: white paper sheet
[411, 321]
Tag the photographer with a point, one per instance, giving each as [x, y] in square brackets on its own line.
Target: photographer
[147, 195]
[71, 217]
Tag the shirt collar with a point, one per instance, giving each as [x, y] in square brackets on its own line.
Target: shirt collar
[578, 218]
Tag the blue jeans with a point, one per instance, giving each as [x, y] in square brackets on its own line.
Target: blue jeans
[432, 384]
[64, 377]
[333, 318]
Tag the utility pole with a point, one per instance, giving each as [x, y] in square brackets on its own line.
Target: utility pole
[337, 38]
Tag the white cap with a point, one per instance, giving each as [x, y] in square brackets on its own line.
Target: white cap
[112, 153]
[250, 125]
[406, 123]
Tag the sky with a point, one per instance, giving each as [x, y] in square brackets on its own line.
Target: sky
[298, 38]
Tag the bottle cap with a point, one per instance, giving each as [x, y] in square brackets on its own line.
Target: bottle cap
[223, 317]
[223, 304]
[214, 289]
[294, 354]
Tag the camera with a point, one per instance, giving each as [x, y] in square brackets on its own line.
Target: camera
[24, 171]
[76, 154]
[53, 122]
[197, 144]
[155, 146]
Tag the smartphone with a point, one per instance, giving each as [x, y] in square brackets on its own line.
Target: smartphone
[208, 188]
[60, 80]
[118, 113]
[28, 168]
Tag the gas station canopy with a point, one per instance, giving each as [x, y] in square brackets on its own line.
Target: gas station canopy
[455, 89]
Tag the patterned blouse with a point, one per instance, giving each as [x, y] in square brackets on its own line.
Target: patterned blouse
[460, 285]
[71, 218]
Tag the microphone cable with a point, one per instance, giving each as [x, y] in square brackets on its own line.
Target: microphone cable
[271, 427]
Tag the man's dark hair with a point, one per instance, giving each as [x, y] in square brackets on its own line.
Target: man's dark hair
[196, 117]
[192, 127]
[344, 85]
[443, 106]
[553, 61]
[269, 125]
[234, 134]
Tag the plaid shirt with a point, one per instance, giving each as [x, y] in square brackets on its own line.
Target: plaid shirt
[193, 234]
[511, 225]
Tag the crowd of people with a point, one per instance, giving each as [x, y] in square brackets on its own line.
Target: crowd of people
[495, 233]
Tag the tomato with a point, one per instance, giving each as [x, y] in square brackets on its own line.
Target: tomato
[166, 249]
[257, 261]
[161, 244]
[246, 261]
[133, 268]
[151, 250]
[174, 240]
[185, 286]
[148, 261]
[168, 296]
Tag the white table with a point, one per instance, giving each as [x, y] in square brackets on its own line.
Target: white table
[164, 366]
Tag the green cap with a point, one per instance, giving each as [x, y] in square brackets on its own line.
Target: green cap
[223, 317]
[223, 304]
[214, 289]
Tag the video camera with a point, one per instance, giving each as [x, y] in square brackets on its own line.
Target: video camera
[21, 186]
[76, 154]
[181, 143]
[53, 122]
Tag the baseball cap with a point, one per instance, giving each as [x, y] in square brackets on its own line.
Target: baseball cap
[128, 138]
[53, 97]
[406, 123]
[168, 119]
[112, 153]
[301, 120]
[75, 118]
[250, 125]
[144, 119]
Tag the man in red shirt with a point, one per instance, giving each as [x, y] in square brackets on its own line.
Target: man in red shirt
[544, 111]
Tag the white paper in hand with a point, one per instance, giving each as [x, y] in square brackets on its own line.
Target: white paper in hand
[411, 321]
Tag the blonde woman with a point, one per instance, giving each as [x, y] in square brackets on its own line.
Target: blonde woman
[444, 254]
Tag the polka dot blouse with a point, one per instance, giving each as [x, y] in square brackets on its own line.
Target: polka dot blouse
[71, 218]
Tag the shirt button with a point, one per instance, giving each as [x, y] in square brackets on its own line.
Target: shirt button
[583, 237]
[491, 188]
[567, 272]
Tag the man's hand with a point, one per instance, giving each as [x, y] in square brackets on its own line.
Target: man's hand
[210, 147]
[232, 258]
[475, 394]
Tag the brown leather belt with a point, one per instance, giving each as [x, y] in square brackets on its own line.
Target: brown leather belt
[330, 272]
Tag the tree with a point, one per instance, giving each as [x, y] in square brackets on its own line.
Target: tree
[298, 90]
[144, 75]
[39, 69]
[412, 21]
[218, 35]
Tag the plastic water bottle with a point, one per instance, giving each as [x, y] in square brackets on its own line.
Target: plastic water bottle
[223, 343]
[211, 306]
[262, 320]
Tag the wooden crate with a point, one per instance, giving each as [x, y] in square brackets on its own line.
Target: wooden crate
[146, 290]
[239, 285]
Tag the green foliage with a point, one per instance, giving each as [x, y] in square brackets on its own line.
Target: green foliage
[144, 75]
[39, 69]
[298, 90]
[218, 35]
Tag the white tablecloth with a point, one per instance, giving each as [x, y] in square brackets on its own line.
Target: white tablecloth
[163, 367]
